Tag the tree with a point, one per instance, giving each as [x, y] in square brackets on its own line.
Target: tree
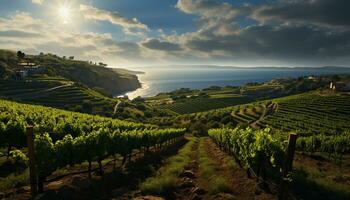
[71, 57]
[102, 64]
[20, 54]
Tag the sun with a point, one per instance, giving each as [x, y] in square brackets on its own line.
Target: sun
[64, 13]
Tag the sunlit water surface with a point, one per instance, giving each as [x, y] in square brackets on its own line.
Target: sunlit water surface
[157, 80]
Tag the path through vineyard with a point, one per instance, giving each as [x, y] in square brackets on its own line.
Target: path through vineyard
[267, 110]
[242, 187]
[42, 93]
[192, 184]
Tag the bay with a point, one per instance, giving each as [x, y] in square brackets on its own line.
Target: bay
[157, 80]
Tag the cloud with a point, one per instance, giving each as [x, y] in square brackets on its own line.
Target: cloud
[285, 42]
[15, 33]
[288, 31]
[93, 13]
[291, 32]
[161, 45]
[38, 1]
[208, 8]
[334, 13]
[23, 32]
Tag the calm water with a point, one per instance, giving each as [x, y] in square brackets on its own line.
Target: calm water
[157, 80]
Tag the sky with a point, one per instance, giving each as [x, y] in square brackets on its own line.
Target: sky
[131, 33]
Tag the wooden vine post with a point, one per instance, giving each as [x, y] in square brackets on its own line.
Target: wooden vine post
[288, 166]
[32, 164]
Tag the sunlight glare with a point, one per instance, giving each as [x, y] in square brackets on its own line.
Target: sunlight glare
[64, 13]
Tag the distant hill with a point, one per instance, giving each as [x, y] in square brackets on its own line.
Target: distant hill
[94, 76]
[223, 67]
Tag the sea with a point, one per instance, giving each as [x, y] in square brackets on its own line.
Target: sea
[157, 80]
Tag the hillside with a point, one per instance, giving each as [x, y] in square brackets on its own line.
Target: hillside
[57, 92]
[310, 112]
[62, 93]
[186, 101]
[91, 75]
[315, 112]
[73, 85]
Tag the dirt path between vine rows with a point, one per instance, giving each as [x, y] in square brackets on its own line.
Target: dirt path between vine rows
[187, 185]
[193, 186]
[241, 186]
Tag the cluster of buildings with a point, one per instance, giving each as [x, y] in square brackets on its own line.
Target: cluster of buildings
[25, 69]
[339, 86]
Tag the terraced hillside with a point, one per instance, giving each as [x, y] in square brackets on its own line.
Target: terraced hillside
[308, 113]
[59, 92]
[56, 92]
[204, 104]
[315, 112]
[186, 101]
[21, 88]
[253, 116]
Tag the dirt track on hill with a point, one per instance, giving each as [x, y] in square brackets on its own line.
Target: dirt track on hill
[266, 112]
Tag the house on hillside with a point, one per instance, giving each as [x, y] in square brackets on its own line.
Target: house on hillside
[340, 86]
[25, 69]
[312, 78]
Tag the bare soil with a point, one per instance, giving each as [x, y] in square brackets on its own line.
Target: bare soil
[191, 186]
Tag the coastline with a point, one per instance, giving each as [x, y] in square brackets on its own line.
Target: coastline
[133, 93]
[163, 81]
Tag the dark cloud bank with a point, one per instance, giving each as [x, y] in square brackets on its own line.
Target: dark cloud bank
[309, 31]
